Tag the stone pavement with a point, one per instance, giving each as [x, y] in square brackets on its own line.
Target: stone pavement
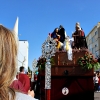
[96, 95]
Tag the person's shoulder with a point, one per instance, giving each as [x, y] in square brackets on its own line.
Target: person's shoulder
[25, 76]
[21, 74]
[21, 96]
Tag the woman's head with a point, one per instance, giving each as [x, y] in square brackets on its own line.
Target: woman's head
[56, 30]
[8, 55]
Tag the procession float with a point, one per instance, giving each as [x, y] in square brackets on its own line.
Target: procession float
[66, 71]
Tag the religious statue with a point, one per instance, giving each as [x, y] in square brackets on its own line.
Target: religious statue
[67, 47]
[59, 36]
[79, 38]
[62, 33]
[56, 36]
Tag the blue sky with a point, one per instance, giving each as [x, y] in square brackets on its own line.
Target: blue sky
[39, 17]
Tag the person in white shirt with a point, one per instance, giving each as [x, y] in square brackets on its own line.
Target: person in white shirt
[96, 82]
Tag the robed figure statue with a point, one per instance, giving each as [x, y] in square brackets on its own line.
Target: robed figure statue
[79, 38]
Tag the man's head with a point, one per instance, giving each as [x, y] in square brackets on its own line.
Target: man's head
[22, 69]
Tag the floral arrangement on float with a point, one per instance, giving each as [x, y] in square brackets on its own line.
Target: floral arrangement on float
[88, 62]
[42, 62]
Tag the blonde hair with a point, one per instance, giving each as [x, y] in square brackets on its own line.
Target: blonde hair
[8, 56]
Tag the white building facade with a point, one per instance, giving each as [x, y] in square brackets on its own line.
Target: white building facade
[93, 40]
[22, 49]
[23, 54]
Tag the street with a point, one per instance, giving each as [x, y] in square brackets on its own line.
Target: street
[96, 95]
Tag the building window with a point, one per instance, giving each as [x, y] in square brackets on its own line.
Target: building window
[90, 49]
[96, 33]
[93, 50]
[89, 36]
[96, 44]
[93, 39]
[90, 46]
[97, 54]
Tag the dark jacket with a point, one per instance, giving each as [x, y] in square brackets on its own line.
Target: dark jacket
[62, 35]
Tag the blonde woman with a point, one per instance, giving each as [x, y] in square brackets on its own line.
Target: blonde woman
[8, 59]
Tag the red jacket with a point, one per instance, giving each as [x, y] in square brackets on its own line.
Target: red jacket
[17, 85]
[24, 79]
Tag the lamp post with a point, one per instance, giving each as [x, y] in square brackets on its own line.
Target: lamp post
[34, 64]
[48, 50]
